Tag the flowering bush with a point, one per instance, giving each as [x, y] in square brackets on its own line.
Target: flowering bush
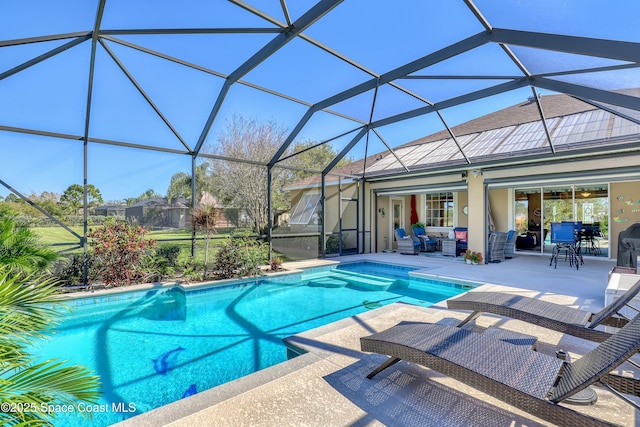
[117, 249]
[473, 256]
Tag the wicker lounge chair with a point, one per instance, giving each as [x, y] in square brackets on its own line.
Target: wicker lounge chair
[429, 244]
[531, 381]
[568, 320]
[497, 242]
[510, 246]
[407, 245]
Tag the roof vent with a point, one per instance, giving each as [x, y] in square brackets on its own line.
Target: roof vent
[532, 99]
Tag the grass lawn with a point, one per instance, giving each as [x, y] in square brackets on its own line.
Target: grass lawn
[51, 235]
[57, 235]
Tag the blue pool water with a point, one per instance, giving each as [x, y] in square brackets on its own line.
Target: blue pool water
[154, 347]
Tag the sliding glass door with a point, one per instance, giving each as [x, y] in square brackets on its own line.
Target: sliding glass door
[536, 208]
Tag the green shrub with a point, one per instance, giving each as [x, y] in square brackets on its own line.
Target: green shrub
[155, 268]
[240, 257]
[190, 267]
[21, 248]
[70, 270]
[333, 244]
[169, 252]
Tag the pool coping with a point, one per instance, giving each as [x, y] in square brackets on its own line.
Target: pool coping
[186, 286]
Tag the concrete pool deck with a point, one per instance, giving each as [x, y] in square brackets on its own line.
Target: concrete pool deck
[327, 385]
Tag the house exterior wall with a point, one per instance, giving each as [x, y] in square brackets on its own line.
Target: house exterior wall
[622, 213]
[476, 236]
[583, 170]
[499, 202]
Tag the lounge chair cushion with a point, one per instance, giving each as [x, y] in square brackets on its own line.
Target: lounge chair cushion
[461, 235]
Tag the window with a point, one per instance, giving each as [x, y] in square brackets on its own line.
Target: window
[439, 210]
[305, 209]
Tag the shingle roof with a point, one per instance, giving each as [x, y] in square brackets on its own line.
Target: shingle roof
[525, 112]
[508, 133]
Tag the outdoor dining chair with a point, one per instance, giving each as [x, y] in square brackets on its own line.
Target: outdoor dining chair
[563, 237]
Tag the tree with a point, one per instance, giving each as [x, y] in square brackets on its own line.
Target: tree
[73, 197]
[146, 195]
[12, 198]
[28, 309]
[48, 201]
[316, 158]
[180, 185]
[204, 218]
[244, 185]
[21, 249]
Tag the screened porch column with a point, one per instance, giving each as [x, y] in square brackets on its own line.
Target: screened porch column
[477, 235]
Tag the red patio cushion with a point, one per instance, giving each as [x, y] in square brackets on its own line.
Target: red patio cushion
[461, 235]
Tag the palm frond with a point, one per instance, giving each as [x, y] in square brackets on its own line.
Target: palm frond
[27, 310]
[55, 380]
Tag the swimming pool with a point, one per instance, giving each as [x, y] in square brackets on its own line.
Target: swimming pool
[154, 347]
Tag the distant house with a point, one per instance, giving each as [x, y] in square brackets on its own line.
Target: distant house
[158, 213]
[227, 216]
[109, 210]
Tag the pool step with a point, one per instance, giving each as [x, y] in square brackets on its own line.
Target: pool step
[358, 280]
[328, 283]
[363, 281]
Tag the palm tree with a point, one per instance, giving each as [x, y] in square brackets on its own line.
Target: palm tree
[21, 248]
[204, 218]
[28, 309]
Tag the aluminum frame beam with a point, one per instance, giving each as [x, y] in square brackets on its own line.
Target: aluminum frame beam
[345, 150]
[44, 56]
[452, 102]
[611, 49]
[312, 15]
[605, 96]
[427, 60]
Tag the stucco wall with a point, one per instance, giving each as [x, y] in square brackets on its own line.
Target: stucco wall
[625, 210]
[499, 202]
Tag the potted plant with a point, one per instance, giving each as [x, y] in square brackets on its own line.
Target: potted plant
[472, 257]
[418, 225]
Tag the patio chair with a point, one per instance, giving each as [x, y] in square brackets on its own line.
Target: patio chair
[563, 237]
[460, 234]
[408, 245]
[510, 245]
[568, 320]
[531, 381]
[428, 243]
[497, 242]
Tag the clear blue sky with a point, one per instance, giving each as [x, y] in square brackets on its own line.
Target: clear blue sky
[51, 95]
